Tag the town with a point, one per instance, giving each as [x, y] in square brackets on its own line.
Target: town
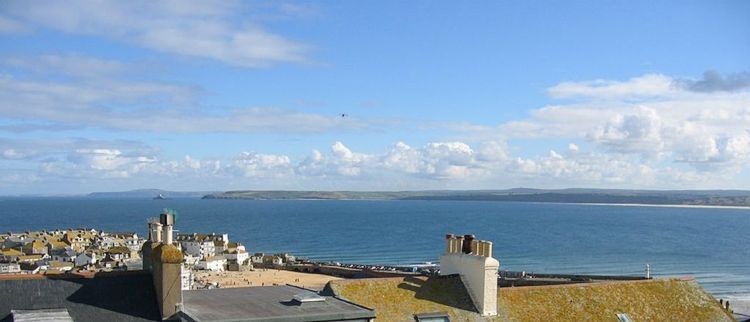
[91, 250]
[74, 265]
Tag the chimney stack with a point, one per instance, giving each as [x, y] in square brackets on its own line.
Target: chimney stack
[154, 231]
[167, 276]
[472, 260]
[164, 260]
[167, 221]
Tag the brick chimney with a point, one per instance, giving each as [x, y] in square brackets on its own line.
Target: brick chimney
[472, 260]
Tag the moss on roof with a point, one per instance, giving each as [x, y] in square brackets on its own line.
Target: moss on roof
[653, 300]
[10, 252]
[168, 254]
[57, 244]
[119, 250]
[398, 299]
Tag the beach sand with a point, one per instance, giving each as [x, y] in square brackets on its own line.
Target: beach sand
[264, 277]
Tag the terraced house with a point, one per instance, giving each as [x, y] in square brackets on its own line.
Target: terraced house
[65, 250]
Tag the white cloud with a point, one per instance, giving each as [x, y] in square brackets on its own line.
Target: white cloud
[447, 165]
[68, 65]
[206, 29]
[712, 81]
[643, 86]
[584, 169]
[8, 25]
[97, 163]
[14, 154]
[640, 132]
[97, 95]
[251, 164]
[681, 139]
[441, 160]
[341, 161]
[653, 117]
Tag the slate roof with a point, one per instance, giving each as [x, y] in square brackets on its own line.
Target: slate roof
[106, 297]
[269, 303]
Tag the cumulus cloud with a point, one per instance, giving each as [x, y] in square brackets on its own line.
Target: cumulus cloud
[655, 118]
[448, 165]
[640, 132]
[206, 29]
[444, 160]
[251, 164]
[341, 161]
[590, 169]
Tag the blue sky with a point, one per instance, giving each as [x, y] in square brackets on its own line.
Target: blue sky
[437, 95]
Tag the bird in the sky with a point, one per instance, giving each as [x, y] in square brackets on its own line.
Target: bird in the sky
[344, 115]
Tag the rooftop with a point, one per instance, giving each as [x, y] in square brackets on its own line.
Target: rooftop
[269, 303]
[398, 299]
[93, 297]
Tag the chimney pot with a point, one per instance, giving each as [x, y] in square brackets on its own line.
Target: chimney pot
[467, 239]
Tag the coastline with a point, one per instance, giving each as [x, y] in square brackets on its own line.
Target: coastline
[487, 200]
[652, 205]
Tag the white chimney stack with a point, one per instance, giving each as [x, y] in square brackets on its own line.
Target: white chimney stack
[472, 260]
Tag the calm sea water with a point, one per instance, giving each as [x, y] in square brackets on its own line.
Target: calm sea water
[709, 244]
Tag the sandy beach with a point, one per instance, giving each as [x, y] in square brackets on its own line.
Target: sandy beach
[265, 277]
[652, 205]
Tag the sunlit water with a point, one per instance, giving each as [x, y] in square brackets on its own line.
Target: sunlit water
[709, 244]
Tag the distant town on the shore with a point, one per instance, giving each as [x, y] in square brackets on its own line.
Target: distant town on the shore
[729, 198]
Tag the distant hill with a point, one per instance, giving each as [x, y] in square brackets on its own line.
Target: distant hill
[149, 193]
[574, 195]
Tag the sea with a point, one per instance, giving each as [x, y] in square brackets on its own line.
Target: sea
[709, 244]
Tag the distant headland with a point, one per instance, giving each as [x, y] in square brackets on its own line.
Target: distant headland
[709, 198]
[157, 194]
[734, 198]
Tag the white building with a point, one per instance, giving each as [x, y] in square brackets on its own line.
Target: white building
[186, 278]
[238, 255]
[9, 268]
[200, 249]
[257, 258]
[190, 260]
[202, 245]
[63, 255]
[214, 263]
[85, 259]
